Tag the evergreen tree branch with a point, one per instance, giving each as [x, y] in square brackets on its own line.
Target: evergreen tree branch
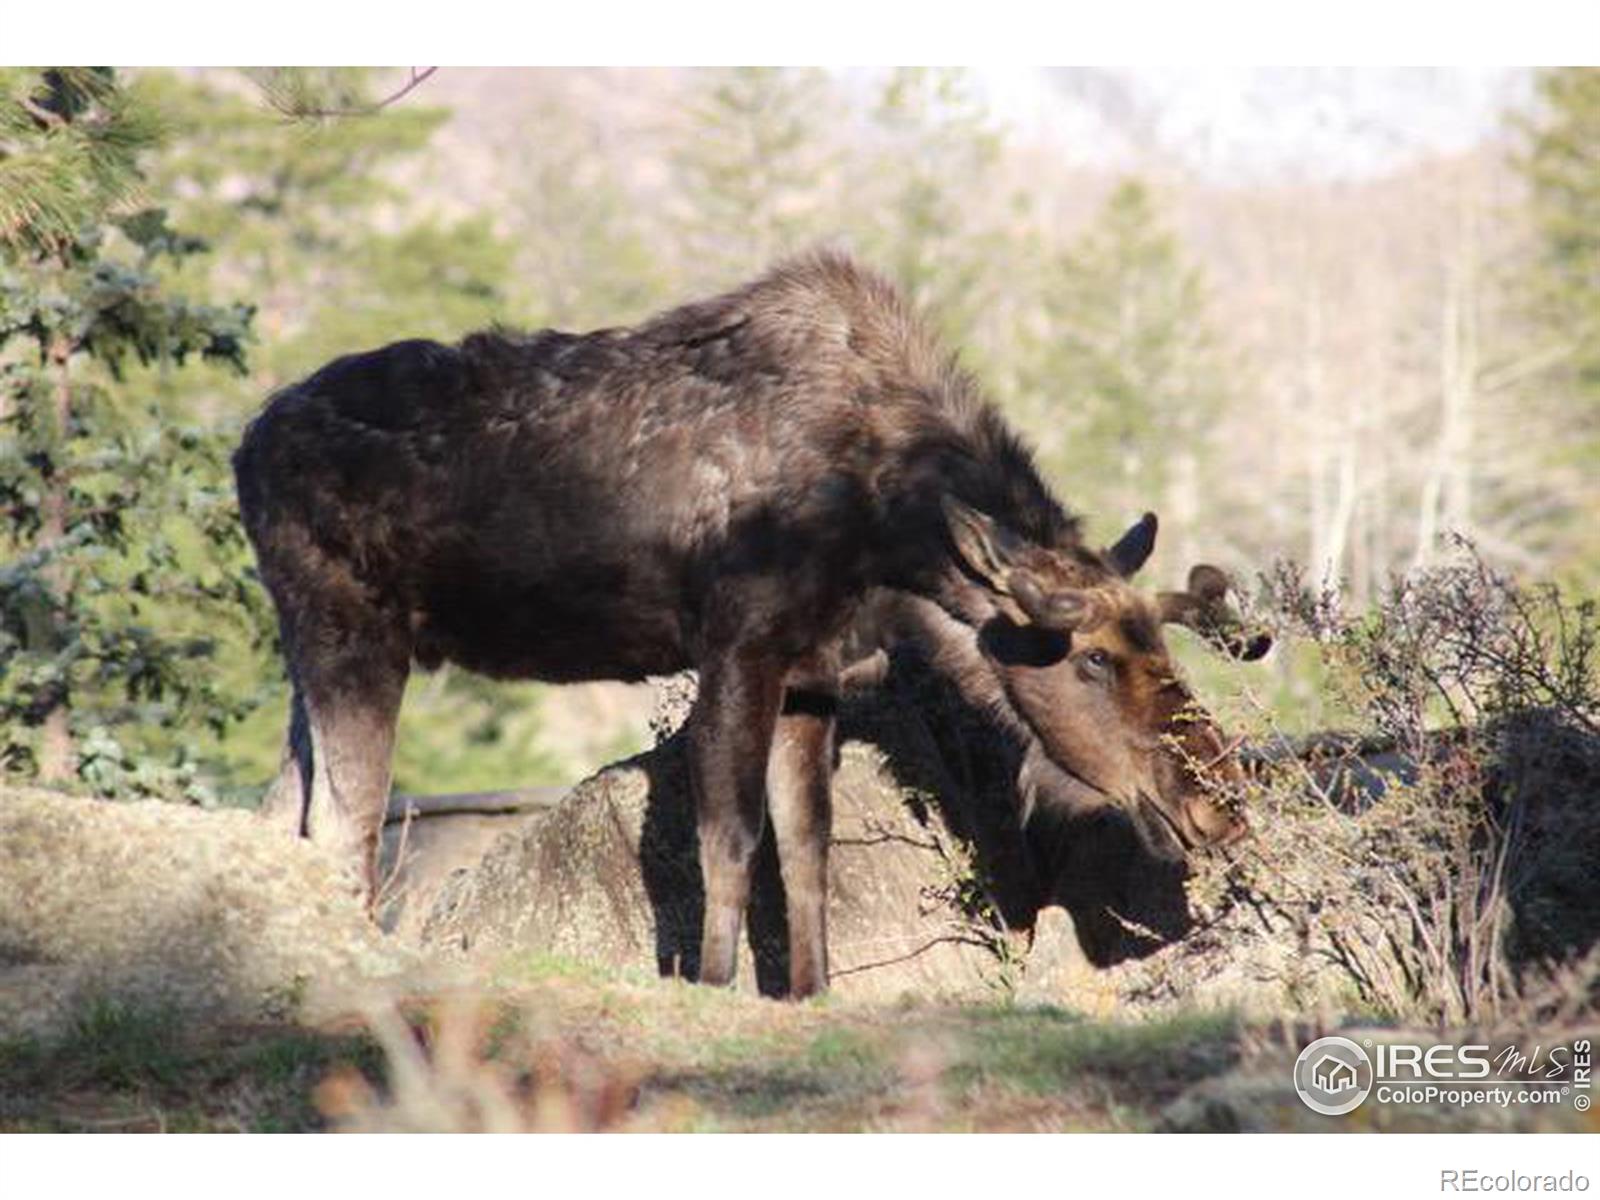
[27, 566]
[297, 103]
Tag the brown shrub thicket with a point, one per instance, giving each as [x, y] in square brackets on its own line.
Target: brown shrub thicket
[1442, 856]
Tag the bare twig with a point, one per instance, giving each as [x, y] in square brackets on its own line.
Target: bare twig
[417, 77]
[948, 939]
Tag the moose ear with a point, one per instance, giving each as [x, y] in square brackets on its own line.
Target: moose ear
[1067, 611]
[991, 552]
[1204, 609]
[1134, 547]
[986, 547]
[1208, 583]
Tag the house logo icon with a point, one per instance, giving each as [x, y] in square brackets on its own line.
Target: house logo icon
[1333, 1076]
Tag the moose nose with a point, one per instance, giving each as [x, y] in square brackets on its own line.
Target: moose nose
[1215, 806]
[1218, 817]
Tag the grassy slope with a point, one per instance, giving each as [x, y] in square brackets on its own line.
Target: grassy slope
[563, 1047]
[554, 1046]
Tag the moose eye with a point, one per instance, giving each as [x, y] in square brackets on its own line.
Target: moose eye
[1097, 662]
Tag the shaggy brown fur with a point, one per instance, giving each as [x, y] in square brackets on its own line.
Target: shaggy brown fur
[717, 488]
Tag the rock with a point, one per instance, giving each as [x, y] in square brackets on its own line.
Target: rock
[935, 888]
[199, 913]
[427, 839]
[611, 876]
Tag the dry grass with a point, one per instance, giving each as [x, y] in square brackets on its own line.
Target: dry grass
[555, 1047]
[566, 1050]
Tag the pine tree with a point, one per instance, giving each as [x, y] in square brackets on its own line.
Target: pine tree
[753, 168]
[935, 206]
[932, 181]
[1128, 370]
[1560, 161]
[317, 225]
[579, 235]
[118, 508]
[1562, 166]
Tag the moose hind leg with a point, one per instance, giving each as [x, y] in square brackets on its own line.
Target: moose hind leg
[730, 738]
[799, 786]
[287, 799]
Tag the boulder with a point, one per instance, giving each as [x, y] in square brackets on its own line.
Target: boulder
[426, 839]
[610, 876]
[208, 914]
[932, 888]
[936, 888]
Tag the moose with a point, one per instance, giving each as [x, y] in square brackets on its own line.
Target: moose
[1057, 812]
[722, 487]
[1059, 706]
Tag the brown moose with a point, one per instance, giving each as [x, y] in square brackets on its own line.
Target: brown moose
[720, 487]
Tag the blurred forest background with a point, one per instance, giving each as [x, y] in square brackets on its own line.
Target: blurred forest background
[1326, 316]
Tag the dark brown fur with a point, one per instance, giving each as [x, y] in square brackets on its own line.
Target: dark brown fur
[717, 488]
[1101, 715]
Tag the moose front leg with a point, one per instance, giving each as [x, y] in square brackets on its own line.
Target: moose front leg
[799, 784]
[730, 739]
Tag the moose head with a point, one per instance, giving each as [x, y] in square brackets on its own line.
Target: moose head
[1081, 664]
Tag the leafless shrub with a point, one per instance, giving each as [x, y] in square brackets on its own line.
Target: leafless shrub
[1442, 857]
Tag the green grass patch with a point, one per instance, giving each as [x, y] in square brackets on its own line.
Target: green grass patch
[109, 1045]
[845, 1049]
[540, 967]
[1048, 1050]
[704, 1059]
[121, 1067]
